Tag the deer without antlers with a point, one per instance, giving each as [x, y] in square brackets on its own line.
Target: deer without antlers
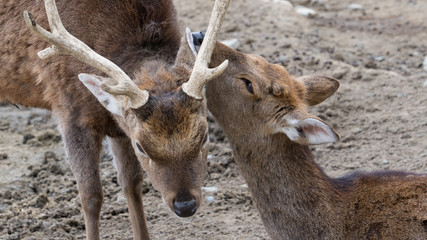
[263, 111]
[149, 116]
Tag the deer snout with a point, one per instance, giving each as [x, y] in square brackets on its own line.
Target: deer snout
[184, 205]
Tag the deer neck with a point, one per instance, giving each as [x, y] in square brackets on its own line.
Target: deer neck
[293, 195]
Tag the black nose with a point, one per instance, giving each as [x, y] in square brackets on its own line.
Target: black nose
[184, 205]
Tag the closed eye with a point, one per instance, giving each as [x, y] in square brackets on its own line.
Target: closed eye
[205, 139]
[248, 84]
[140, 148]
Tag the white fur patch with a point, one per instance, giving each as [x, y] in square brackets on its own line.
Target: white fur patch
[110, 102]
[290, 129]
[291, 132]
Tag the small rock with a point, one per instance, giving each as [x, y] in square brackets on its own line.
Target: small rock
[406, 136]
[7, 195]
[36, 227]
[210, 198]
[49, 135]
[425, 64]
[49, 156]
[56, 169]
[4, 125]
[34, 173]
[14, 236]
[35, 119]
[230, 195]
[379, 58]
[371, 64]
[41, 201]
[121, 199]
[304, 11]
[425, 83]
[340, 73]
[17, 196]
[3, 156]
[73, 223]
[338, 57]
[210, 189]
[296, 58]
[233, 43]
[27, 137]
[288, 5]
[356, 130]
[385, 161]
[355, 6]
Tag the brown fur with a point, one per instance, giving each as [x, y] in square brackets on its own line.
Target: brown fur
[295, 198]
[142, 38]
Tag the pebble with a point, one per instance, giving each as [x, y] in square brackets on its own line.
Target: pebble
[41, 201]
[379, 58]
[425, 83]
[385, 161]
[210, 189]
[233, 43]
[121, 199]
[3, 156]
[304, 11]
[27, 137]
[287, 4]
[371, 64]
[355, 6]
[210, 198]
[425, 64]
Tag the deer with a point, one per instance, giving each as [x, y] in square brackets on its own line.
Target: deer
[117, 70]
[264, 112]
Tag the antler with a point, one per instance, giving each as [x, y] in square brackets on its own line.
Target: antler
[66, 44]
[201, 72]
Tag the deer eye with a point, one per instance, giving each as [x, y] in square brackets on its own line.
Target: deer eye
[140, 148]
[205, 139]
[248, 85]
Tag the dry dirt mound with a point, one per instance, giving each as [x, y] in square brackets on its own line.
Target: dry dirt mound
[380, 110]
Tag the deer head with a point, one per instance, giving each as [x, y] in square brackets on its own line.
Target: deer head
[268, 99]
[164, 117]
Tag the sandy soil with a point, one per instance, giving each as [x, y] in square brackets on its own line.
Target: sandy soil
[380, 111]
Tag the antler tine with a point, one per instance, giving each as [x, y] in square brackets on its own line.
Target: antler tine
[66, 44]
[201, 72]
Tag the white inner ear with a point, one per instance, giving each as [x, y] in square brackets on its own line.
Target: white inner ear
[317, 132]
[190, 41]
[109, 101]
[309, 131]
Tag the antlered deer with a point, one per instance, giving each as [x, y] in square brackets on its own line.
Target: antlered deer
[158, 119]
[263, 111]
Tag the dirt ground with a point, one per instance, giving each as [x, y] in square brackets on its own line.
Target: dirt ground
[376, 51]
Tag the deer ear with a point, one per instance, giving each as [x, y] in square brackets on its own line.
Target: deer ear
[318, 88]
[310, 130]
[194, 46]
[109, 101]
[187, 51]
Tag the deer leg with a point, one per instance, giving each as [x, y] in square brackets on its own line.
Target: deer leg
[130, 177]
[83, 147]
